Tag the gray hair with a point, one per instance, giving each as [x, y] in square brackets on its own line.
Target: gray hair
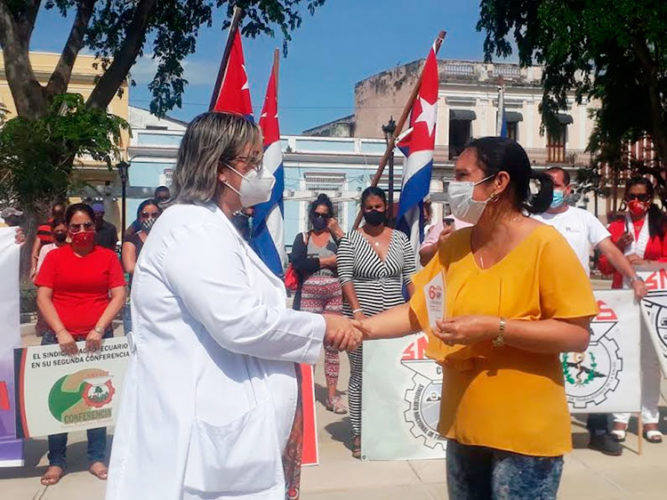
[210, 138]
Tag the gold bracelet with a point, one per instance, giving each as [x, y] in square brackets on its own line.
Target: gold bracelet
[499, 341]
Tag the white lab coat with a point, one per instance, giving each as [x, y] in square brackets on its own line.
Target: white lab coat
[210, 391]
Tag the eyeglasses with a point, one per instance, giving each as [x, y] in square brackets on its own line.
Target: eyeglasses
[86, 226]
[640, 197]
[253, 161]
[149, 215]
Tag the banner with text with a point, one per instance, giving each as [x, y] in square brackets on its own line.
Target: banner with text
[400, 401]
[402, 388]
[56, 392]
[605, 378]
[654, 310]
[11, 449]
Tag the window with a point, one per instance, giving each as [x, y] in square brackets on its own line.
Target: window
[329, 183]
[556, 145]
[512, 129]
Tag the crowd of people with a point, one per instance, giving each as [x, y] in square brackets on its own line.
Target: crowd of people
[229, 421]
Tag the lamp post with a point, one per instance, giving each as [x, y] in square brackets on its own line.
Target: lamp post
[388, 131]
[123, 168]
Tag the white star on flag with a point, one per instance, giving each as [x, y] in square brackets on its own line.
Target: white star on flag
[427, 115]
[245, 85]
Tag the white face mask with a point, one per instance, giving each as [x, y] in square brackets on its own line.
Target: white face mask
[460, 200]
[255, 187]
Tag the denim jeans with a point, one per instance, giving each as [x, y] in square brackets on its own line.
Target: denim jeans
[127, 318]
[477, 472]
[97, 438]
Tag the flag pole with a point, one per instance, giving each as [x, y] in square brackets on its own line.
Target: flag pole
[276, 65]
[233, 28]
[399, 128]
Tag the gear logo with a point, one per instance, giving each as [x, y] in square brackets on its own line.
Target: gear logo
[423, 398]
[655, 304]
[591, 375]
[82, 396]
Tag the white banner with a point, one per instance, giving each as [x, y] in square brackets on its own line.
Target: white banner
[11, 449]
[606, 377]
[654, 310]
[400, 401]
[57, 392]
[402, 388]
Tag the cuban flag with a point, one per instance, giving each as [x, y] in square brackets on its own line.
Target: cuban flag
[417, 145]
[267, 236]
[234, 92]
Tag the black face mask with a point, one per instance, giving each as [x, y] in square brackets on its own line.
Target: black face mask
[374, 217]
[60, 237]
[319, 222]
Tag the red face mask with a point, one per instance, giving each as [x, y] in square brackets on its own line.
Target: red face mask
[83, 238]
[637, 208]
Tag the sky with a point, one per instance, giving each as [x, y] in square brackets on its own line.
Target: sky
[343, 43]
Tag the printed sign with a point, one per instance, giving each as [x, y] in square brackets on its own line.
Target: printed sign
[654, 311]
[57, 392]
[606, 377]
[400, 401]
[434, 291]
[11, 449]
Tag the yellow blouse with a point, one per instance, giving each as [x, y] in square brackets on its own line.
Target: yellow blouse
[503, 397]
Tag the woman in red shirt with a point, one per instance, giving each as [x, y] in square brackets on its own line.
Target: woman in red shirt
[81, 289]
[641, 235]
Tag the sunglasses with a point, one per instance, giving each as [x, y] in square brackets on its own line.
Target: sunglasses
[149, 215]
[324, 216]
[86, 226]
[640, 197]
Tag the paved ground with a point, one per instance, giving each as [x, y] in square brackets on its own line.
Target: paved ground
[587, 474]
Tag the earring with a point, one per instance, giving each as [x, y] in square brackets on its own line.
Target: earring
[494, 197]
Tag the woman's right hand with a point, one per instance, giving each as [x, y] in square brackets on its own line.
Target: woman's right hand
[624, 241]
[67, 342]
[341, 333]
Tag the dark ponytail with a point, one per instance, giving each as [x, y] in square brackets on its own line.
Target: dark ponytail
[496, 154]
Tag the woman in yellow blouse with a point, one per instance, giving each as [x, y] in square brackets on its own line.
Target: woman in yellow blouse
[515, 297]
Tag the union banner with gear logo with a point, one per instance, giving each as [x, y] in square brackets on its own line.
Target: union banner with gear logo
[58, 393]
[654, 310]
[605, 378]
[400, 401]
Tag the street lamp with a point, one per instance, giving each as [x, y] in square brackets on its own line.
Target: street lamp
[123, 168]
[388, 131]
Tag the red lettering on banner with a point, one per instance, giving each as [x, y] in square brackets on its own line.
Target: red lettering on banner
[434, 292]
[606, 312]
[416, 350]
[657, 280]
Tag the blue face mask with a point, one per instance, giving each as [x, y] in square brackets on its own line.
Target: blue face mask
[558, 198]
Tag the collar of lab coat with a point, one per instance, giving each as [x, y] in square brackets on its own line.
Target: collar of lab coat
[250, 253]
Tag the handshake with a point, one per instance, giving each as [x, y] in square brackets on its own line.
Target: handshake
[342, 333]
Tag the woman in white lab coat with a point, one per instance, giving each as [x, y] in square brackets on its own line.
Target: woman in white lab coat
[210, 390]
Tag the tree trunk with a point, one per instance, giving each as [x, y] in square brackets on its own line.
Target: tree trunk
[124, 59]
[28, 94]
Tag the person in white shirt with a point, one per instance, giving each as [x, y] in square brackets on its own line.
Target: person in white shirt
[436, 235]
[210, 390]
[584, 232]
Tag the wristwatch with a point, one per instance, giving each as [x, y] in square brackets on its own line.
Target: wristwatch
[635, 278]
[499, 341]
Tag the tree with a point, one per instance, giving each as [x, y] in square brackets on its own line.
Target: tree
[610, 50]
[117, 32]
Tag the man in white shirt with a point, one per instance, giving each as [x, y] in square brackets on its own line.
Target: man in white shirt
[583, 231]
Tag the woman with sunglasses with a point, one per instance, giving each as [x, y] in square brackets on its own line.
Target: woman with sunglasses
[81, 288]
[640, 234]
[147, 214]
[314, 260]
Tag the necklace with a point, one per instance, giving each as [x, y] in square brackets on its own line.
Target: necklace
[376, 243]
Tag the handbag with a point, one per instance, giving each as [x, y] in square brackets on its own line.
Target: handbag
[292, 278]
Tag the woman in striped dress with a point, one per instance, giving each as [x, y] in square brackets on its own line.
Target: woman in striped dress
[374, 263]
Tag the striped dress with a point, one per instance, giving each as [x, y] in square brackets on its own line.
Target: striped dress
[379, 286]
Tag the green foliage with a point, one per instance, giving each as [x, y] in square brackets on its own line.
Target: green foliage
[37, 156]
[172, 29]
[610, 50]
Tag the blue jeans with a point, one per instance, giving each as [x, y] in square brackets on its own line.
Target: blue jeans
[127, 319]
[97, 438]
[477, 472]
